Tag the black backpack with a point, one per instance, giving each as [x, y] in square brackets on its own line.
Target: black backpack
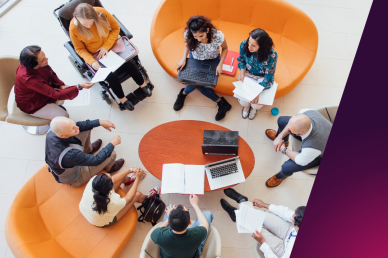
[151, 210]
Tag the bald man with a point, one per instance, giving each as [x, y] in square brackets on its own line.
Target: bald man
[312, 129]
[69, 152]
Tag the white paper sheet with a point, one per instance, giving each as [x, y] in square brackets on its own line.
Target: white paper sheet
[173, 179]
[82, 99]
[267, 97]
[248, 90]
[248, 219]
[112, 60]
[194, 179]
[101, 74]
[227, 68]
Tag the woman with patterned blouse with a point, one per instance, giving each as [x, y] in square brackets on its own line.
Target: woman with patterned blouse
[203, 42]
[257, 60]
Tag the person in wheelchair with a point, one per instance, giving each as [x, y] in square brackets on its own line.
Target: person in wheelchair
[94, 29]
[38, 90]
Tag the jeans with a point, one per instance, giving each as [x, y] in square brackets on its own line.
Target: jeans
[114, 82]
[290, 167]
[207, 92]
[209, 217]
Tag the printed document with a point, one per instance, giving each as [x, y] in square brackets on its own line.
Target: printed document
[183, 179]
[248, 219]
[112, 60]
[247, 90]
[101, 74]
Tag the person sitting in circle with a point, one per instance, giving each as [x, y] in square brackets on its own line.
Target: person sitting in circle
[102, 206]
[94, 29]
[257, 60]
[203, 42]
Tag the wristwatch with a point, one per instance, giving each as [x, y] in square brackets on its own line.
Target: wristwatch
[79, 87]
[284, 150]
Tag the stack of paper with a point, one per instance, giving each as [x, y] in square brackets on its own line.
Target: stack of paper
[112, 60]
[247, 90]
[248, 219]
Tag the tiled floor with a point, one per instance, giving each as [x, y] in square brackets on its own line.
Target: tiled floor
[340, 24]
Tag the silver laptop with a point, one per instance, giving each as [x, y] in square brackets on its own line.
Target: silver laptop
[224, 173]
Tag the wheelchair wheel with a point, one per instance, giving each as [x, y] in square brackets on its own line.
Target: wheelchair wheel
[76, 66]
[105, 97]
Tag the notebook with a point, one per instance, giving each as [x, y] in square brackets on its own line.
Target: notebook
[227, 68]
[183, 179]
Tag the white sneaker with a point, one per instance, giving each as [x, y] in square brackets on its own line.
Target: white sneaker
[252, 114]
[245, 112]
[153, 192]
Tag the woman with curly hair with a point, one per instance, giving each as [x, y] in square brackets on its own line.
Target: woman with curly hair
[257, 60]
[203, 42]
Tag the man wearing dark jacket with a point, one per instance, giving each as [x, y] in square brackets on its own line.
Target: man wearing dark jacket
[69, 151]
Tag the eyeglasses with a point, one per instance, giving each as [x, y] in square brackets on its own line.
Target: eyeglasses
[295, 135]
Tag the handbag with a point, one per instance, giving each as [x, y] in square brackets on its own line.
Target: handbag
[151, 210]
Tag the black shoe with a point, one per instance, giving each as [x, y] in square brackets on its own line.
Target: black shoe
[223, 107]
[180, 100]
[96, 146]
[128, 105]
[234, 195]
[148, 89]
[116, 166]
[229, 209]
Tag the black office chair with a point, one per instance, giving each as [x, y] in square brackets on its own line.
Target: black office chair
[64, 16]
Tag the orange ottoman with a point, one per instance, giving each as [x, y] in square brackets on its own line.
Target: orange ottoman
[293, 32]
[44, 222]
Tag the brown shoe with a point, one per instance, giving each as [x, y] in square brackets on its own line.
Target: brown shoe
[271, 134]
[96, 146]
[273, 181]
[117, 165]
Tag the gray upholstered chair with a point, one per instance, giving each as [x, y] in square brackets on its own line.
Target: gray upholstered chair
[33, 125]
[212, 248]
[329, 113]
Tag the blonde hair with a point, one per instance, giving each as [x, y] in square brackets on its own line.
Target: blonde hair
[86, 11]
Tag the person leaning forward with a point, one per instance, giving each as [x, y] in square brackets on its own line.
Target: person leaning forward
[38, 90]
[312, 129]
[69, 152]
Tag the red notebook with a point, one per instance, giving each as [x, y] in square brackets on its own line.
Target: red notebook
[228, 60]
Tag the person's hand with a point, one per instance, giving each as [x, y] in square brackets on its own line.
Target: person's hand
[107, 125]
[219, 69]
[116, 140]
[62, 87]
[241, 75]
[255, 100]
[96, 65]
[259, 203]
[277, 143]
[258, 237]
[139, 173]
[86, 85]
[181, 64]
[193, 200]
[169, 209]
[282, 147]
[102, 52]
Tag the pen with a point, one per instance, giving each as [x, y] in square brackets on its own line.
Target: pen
[232, 62]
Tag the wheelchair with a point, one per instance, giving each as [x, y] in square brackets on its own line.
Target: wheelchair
[64, 15]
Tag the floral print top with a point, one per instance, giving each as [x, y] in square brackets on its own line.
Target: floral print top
[206, 51]
[264, 69]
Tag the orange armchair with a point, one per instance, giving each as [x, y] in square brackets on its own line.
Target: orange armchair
[44, 221]
[293, 32]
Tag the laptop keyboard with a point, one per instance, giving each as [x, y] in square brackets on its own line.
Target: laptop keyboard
[198, 75]
[219, 142]
[224, 170]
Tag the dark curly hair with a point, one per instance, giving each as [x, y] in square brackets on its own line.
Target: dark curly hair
[29, 56]
[102, 185]
[299, 215]
[198, 23]
[265, 44]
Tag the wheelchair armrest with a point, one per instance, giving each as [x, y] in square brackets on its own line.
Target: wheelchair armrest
[123, 30]
[69, 46]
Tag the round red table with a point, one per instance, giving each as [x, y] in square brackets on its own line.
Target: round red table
[180, 142]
